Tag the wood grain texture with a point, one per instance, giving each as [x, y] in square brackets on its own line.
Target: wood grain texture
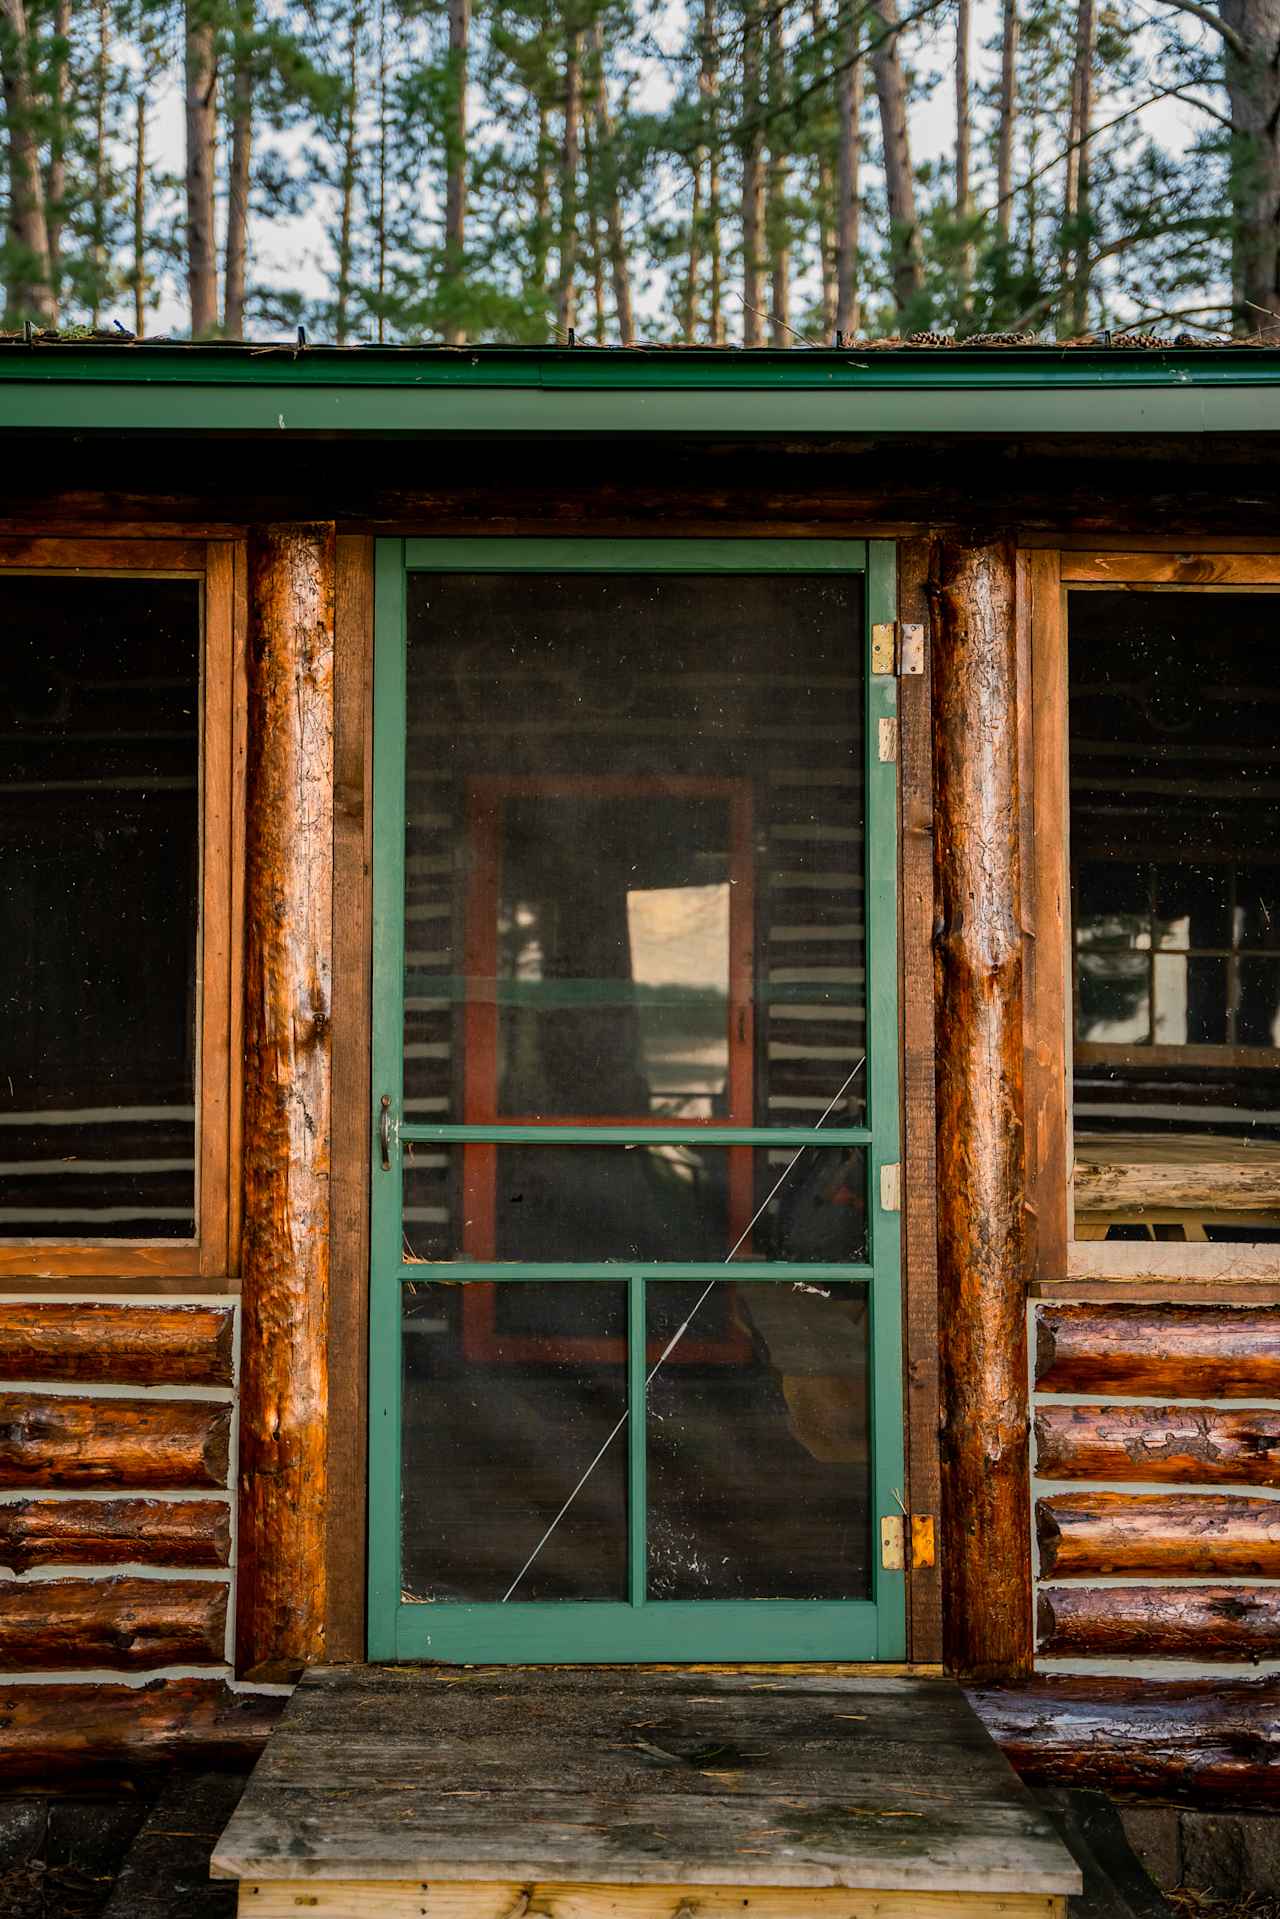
[1160, 1622]
[1196, 489]
[104, 555]
[1042, 711]
[50, 1440]
[1188, 1445]
[411, 1899]
[1172, 569]
[982, 1250]
[1207, 1740]
[1158, 1535]
[102, 1735]
[919, 1146]
[352, 1029]
[1134, 1262]
[124, 1624]
[127, 1345]
[638, 1778]
[1228, 1352]
[114, 1532]
[287, 1086]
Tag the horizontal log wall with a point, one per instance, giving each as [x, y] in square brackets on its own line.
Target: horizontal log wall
[1157, 1512]
[117, 1537]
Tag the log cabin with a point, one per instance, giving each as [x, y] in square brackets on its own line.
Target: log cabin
[637, 1046]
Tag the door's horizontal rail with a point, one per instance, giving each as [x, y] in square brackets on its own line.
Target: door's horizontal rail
[418, 1132]
[466, 1272]
[574, 1632]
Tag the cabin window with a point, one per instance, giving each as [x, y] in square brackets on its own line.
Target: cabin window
[1174, 781]
[114, 969]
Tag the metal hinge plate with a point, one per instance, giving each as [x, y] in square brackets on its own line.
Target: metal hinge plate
[923, 1550]
[891, 1187]
[911, 658]
[892, 1553]
[884, 636]
[888, 742]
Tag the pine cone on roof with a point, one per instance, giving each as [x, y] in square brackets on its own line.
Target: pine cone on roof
[1138, 339]
[1002, 339]
[929, 339]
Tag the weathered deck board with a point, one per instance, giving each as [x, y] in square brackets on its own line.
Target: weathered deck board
[593, 1785]
[351, 1899]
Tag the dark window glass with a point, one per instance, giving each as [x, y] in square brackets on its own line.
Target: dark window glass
[634, 853]
[691, 1202]
[99, 836]
[510, 1392]
[759, 1458]
[1175, 817]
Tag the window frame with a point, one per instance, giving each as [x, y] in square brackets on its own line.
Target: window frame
[212, 1256]
[1046, 579]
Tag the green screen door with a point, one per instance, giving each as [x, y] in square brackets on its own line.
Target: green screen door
[636, 1384]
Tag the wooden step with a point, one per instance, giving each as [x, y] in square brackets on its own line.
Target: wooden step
[637, 1793]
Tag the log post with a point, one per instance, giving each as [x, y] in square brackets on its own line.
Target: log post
[285, 1253]
[981, 1175]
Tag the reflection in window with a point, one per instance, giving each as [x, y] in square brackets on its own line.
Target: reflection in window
[633, 895]
[1175, 806]
[99, 799]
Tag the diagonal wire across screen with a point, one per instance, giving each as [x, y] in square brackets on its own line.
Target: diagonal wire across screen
[683, 1328]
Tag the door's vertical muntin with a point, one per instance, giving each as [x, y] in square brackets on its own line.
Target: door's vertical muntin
[840, 1628]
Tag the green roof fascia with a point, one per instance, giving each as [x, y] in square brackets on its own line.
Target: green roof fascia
[270, 390]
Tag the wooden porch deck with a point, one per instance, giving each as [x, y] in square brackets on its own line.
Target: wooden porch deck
[636, 1793]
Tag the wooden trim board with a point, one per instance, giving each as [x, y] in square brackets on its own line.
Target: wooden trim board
[410, 1899]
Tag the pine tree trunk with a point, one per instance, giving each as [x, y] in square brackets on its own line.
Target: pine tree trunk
[689, 302]
[380, 233]
[347, 182]
[619, 267]
[709, 88]
[825, 198]
[1077, 308]
[55, 187]
[140, 214]
[566, 293]
[30, 290]
[1007, 120]
[779, 244]
[238, 179]
[964, 191]
[1253, 87]
[906, 258]
[101, 74]
[455, 199]
[849, 168]
[202, 126]
[752, 178]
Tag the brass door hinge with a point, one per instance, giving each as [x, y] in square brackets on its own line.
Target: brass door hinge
[891, 1187]
[884, 648]
[897, 648]
[892, 1552]
[887, 736]
[912, 652]
[923, 1549]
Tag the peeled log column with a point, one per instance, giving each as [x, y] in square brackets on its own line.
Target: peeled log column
[981, 1228]
[285, 1261]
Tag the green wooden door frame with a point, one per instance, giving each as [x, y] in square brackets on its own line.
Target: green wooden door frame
[637, 1628]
